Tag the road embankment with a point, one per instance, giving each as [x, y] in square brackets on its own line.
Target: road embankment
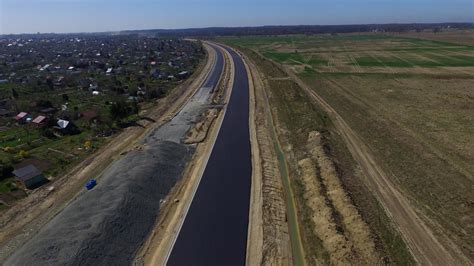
[268, 238]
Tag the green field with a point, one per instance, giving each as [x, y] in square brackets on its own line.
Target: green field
[348, 52]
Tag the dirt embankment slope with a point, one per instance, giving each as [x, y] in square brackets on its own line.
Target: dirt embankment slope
[268, 242]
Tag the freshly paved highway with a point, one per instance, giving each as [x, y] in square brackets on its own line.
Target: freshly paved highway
[214, 231]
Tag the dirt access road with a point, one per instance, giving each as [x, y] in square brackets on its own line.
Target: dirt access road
[427, 248]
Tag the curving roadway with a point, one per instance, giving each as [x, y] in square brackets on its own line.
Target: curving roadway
[214, 231]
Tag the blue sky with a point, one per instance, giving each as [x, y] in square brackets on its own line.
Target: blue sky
[20, 16]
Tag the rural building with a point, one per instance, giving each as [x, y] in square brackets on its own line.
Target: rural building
[48, 111]
[39, 120]
[21, 117]
[183, 74]
[5, 112]
[30, 176]
[66, 127]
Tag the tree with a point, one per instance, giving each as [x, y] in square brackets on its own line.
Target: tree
[48, 133]
[49, 83]
[65, 97]
[14, 94]
[6, 170]
[121, 109]
[44, 103]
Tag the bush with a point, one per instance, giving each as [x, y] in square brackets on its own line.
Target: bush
[8, 149]
[121, 109]
[48, 133]
[24, 154]
[88, 144]
[6, 170]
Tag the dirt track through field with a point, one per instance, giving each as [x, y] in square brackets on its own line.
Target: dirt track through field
[423, 244]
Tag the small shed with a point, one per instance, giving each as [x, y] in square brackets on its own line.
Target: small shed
[48, 111]
[183, 74]
[5, 112]
[21, 116]
[66, 127]
[30, 176]
[39, 120]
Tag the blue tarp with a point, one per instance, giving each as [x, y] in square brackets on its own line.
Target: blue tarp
[91, 184]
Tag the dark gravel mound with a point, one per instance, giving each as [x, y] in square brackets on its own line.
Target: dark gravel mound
[106, 226]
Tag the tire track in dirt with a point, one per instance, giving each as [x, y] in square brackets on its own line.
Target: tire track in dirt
[425, 247]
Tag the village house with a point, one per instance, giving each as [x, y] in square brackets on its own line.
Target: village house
[39, 120]
[21, 117]
[30, 176]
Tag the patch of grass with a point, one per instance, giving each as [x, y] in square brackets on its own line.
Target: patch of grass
[3, 207]
[288, 58]
[317, 61]
[7, 185]
[381, 62]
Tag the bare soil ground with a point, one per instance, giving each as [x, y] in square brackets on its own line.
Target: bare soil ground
[22, 221]
[199, 132]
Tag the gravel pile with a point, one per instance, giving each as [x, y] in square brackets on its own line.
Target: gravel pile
[106, 226]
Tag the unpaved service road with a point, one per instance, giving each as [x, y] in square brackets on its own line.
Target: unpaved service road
[214, 231]
[106, 226]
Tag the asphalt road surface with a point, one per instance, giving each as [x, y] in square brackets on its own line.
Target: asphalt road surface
[214, 231]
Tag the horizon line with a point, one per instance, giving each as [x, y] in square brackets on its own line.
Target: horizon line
[233, 27]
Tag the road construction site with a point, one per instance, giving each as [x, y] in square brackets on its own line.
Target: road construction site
[128, 197]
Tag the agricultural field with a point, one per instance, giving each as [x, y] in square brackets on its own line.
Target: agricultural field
[410, 98]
